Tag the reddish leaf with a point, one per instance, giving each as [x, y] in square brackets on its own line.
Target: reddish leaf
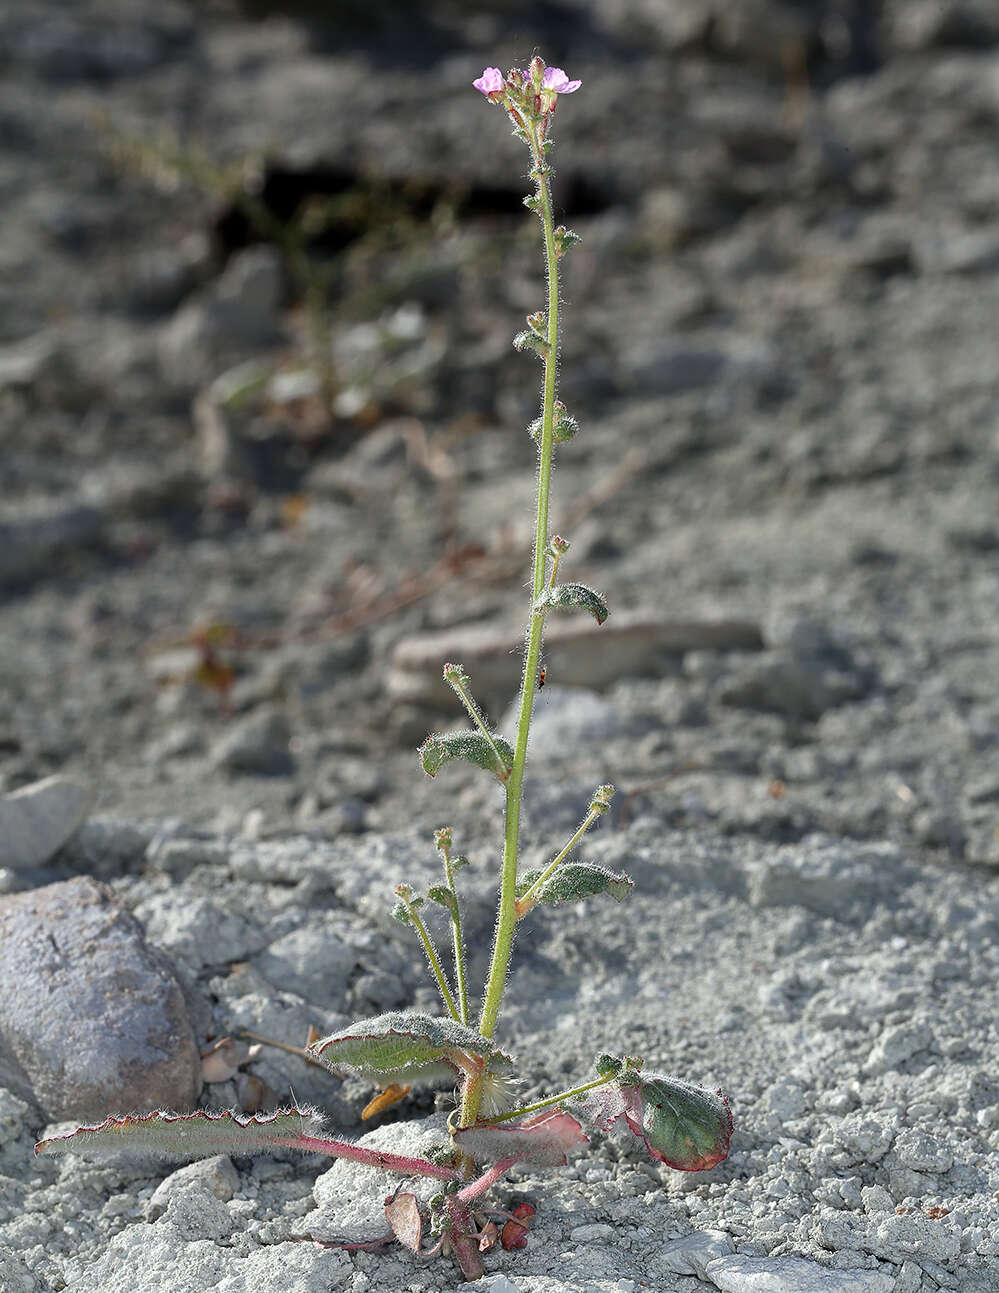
[515, 1232]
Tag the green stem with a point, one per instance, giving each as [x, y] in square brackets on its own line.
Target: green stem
[459, 947]
[507, 915]
[435, 962]
[474, 713]
[550, 1100]
[527, 900]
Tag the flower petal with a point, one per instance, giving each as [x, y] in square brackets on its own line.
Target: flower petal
[556, 79]
[490, 81]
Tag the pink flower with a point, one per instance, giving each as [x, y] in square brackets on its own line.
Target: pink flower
[555, 79]
[490, 82]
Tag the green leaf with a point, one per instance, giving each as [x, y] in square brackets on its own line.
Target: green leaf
[403, 913]
[528, 340]
[574, 881]
[398, 1047]
[439, 748]
[682, 1124]
[442, 895]
[574, 597]
[189, 1135]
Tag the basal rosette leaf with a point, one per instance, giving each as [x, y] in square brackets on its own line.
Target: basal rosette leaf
[440, 747]
[546, 1139]
[202, 1134]
[687, 1126]
[405, 1048]
[572, 597]
[574, 881]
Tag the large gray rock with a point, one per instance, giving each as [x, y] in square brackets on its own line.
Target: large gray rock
[37, 820]
[93, 1020]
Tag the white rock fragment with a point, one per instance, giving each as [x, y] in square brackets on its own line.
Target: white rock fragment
[739, 1273]
[922, 1152]
[898, 1044]
[14, 1276]
[37, 820]
[690, 1254]
[350, 1196]
[588, 1234]
[866, 1136]
[216, 1175]
[197, 1213]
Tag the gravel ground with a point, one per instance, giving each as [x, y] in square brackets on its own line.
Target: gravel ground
[234, 557]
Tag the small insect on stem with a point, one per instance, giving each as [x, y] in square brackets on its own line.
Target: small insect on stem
[542, 674]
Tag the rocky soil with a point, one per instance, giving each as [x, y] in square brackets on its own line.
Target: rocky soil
[264, 471]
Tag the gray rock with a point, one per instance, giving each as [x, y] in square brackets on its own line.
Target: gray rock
[350, 1197]
[196, 1212]
[215, 1176]
[37, 820]
[14, 1275]
[257, 744]
[866, 1137]
[691, 1254]
[108, 847]
[898, 1044]
[808, 672]
[197, 930]
[922, 1152]
[236, 315]
[311, 961]
[577, 653]
[98, 1023]
[894, 1237]
[34, 539]
[830, 877]
[672, 367]
[739, 1273]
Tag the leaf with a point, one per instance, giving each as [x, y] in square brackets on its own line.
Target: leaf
[545, 1139]
[681, 1123]
[570, 597]
[403, 1048]
[573, 881]
[403, 1214]
[441, 894]
[440, 747]
[515, 1231]
[189, 1135]
[466, 1250]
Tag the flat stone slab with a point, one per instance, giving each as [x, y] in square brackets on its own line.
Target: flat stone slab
[578, 653]
[92, 1019]
[37, 820]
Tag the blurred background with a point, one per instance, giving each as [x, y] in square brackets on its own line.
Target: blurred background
[262, 444]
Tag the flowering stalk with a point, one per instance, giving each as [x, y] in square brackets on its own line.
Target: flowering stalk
[680, 1124]
[530, 100]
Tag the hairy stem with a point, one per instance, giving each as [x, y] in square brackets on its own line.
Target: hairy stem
[460, 686]
[435, 961]
[460, 980]
[507, 916]
[527, 900]
[369, 1157]
[549, 1100]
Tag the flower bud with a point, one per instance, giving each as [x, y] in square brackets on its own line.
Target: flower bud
[601, 799]
[455, 675]
[442, 839]
[536, 72]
